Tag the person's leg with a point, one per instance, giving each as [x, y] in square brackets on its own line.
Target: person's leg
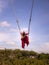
[27, 40]
[23, 44]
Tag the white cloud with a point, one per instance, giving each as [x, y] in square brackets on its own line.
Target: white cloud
[17, 31]
[3, 36]
[45, 47]
[9, 38]
[1, 47]
[10, 42]
[14, 30]
[4, 24]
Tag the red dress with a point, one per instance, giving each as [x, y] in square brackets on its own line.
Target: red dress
[25, 40]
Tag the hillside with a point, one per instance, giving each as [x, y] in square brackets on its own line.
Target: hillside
[22, 57]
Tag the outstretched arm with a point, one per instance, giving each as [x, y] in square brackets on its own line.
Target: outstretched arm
[27, 33]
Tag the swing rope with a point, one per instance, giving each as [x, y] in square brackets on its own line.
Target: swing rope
[30, 17]
[15, 14]
[17, 19]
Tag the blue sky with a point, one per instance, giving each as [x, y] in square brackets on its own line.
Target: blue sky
[39, 29]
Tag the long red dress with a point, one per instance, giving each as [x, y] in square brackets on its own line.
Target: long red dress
[24, 40]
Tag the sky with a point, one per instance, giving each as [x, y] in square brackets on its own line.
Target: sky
[10, 38]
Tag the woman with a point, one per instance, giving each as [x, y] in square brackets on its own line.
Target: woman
[24, 39]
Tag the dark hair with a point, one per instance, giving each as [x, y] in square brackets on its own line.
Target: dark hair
[23, 33]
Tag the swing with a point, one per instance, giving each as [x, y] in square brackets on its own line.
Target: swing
[25, 39]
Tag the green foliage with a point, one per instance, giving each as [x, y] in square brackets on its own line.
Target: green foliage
[19, 57]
